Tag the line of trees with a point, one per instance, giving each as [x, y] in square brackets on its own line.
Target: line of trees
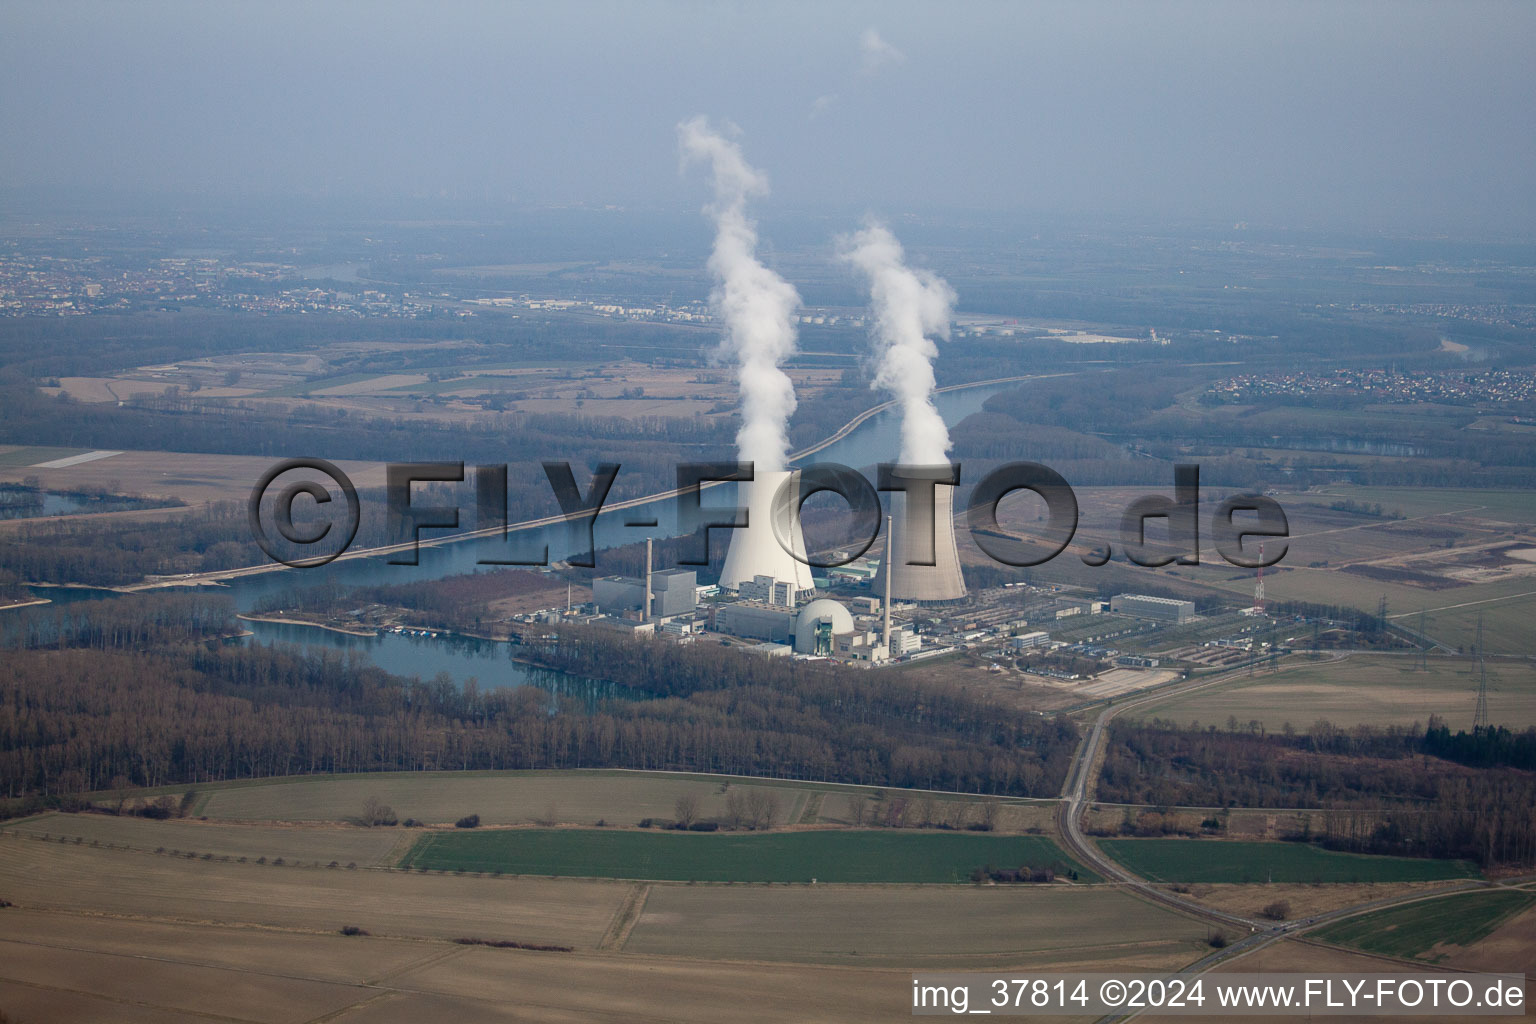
[1419, 791]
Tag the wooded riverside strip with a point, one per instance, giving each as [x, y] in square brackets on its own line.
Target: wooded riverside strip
[172, 710]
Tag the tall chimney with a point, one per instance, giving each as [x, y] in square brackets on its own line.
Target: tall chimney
[885, 633]
[645, 615]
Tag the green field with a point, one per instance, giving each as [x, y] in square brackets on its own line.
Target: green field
[1510, 506]
[11, 458]
[841, 856]
[1363, 690]
[1414, 930]
[366, 847]
[476, 382]
[1215, 860]
[302, 388]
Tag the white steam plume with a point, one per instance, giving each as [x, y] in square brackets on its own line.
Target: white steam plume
[756, 304]
[910, 308]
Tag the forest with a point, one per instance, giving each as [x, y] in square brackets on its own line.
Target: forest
[1422, 791]
[147, 691]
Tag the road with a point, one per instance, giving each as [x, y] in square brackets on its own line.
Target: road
[1254, 934]
[1080, 776]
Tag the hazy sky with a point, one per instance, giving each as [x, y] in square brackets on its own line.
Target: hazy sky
[1379, 115]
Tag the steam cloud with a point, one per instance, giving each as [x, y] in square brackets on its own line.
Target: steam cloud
[910, 307]
[756, 304]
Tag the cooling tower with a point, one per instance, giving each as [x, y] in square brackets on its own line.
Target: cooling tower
[755, 549]
[924, 583]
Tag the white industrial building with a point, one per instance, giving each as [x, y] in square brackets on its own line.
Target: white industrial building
[754, 620]
[673, 592]
[904, 642]
[1145, 606]
[1026, 641]
[769, 591]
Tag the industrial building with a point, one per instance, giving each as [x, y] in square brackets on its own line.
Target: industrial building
[1144, 606]
[754, 620]
[673, 592]
[905, 641]
[769, 591]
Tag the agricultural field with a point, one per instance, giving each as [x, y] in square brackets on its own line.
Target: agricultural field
[821, 856]
[1362, 689]
[1511, 507]
[81, 879]
[99, 932]
[564, 797]
[513, 987]
[194, 478]
[307, 844]
[72, 967]
[1431, 929]
[1218, 860]
[1059, 925]
[499, 798]
[1304, 899]
[14, 456]
[1237, 822]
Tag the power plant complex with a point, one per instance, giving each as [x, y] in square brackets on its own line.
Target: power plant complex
[768, 597]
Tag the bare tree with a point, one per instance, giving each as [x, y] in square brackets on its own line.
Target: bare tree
[959, 814]
[686, 809]
[927, 812]
[762, 808]
[735, 808]
[377, 812]
[121, 790]
[857, 806]
[991, 808]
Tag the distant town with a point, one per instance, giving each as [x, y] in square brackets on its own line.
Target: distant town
[1453, 387]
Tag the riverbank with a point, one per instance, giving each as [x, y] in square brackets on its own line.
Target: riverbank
[24, 604]
[368, 633]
